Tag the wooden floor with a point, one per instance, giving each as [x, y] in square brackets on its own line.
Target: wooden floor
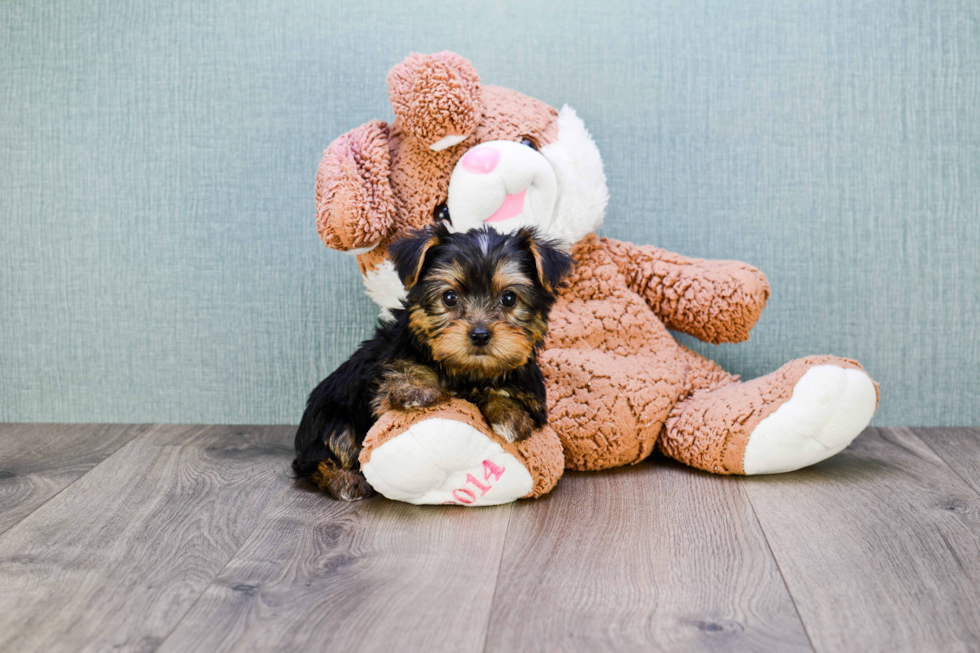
[194, 538]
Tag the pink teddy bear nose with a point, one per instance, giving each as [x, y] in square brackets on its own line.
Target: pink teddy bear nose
[481, 160]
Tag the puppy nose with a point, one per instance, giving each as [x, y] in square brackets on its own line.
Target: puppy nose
[479, 336]
[481, 160]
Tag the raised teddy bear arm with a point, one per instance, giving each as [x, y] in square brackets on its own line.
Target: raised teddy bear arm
[714, 301]
[354, 206]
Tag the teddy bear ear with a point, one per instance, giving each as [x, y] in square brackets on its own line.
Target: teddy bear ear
[436, 98]
[354, 206]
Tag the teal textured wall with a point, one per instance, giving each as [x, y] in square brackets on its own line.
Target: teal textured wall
[158, 257]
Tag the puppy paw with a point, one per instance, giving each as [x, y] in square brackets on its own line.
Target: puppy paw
[414, 397]
[408, 386]
[340, 483]
[513, 427]
[507, 417]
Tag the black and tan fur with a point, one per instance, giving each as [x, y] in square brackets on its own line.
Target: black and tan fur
[471, 327]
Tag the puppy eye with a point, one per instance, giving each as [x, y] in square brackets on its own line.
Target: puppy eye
[450, 298]
[441, 214]
[508, 299]
[528, 142]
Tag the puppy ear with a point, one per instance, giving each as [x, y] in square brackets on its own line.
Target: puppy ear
[552, 263]
[436, 98]
[354, 206]
[408, 254]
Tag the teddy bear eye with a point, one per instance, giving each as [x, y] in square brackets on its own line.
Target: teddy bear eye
[442, 214]
[450, 298]
[528, 142]
[508, 299]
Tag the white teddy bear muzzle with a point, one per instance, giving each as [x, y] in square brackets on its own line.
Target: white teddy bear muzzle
[503, 184]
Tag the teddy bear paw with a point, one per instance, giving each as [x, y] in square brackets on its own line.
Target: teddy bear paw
[829, 407]
[443, 461]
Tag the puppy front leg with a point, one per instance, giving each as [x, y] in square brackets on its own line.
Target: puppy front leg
[513, 412]
[507, 415]
[408, 386]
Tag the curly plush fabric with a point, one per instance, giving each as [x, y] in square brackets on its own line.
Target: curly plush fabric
[543, 455]
[353, 196]
[435, 96]
[714, 301]
[608, 409]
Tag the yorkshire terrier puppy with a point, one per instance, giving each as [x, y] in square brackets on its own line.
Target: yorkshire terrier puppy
[471, 327]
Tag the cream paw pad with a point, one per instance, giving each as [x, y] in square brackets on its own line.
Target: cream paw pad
[830, 406]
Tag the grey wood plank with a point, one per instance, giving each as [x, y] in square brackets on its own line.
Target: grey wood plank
[117, 558]
[321, 575]
[959, 447]
[39, 460]
[879, 546]
[656, 557]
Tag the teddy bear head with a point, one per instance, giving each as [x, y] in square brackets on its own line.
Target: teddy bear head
[458, 151]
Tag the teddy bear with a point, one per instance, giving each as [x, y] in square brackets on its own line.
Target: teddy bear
[619, 385]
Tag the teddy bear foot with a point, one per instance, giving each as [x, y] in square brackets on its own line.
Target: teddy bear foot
[447, 454]
[829, 407]
[442, 461]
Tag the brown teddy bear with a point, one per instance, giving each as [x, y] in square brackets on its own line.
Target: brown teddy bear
[618, 383]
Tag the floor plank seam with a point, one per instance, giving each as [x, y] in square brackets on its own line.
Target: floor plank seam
[146, 429]
[943, 458]
[779, 568]
[245, 541]
[496, 580]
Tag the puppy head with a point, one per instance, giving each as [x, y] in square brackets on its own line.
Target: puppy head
[479, 300]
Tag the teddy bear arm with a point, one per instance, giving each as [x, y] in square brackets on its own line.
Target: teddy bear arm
[714, 301]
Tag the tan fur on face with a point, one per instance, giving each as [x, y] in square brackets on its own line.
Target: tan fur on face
[508, 276]
[451, 275]
[425, 325]
[515, 332]
[509, 348]
[533, 325]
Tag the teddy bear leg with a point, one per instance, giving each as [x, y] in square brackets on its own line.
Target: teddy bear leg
[608, 409]
[447, 454]
[804, 412]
